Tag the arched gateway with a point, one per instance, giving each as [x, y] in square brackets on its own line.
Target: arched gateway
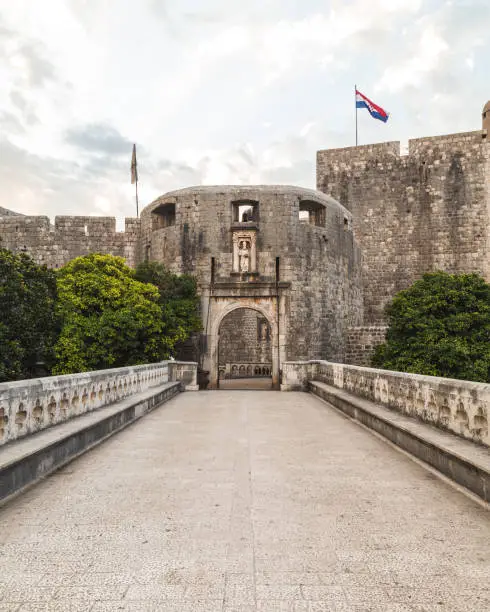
[249, 345]
[245, 350]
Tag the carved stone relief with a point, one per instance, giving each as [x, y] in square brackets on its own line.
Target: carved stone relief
[244, 252]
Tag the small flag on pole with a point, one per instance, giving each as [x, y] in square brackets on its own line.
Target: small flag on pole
[134, 177]
[374, 110]
[134, 168]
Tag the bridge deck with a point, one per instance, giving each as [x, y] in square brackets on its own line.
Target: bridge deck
[240, 501]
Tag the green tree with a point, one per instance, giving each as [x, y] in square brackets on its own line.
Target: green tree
[110, 319]
[28, 323]
[440, 326]
[178, 299]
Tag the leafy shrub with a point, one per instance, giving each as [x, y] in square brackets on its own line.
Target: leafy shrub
[109, 318]
[439, 326]
[28, 322]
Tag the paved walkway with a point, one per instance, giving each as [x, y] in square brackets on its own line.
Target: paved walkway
[239, 502]
[249, 384]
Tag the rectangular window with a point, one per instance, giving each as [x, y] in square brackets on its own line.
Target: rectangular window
[312, 213]
[163, 216]
[245, 211]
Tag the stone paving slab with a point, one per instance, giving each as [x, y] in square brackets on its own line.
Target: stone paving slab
[239, 502]
[246, 384]
[27, 460]
[464, 461]
[467, 450]
[29, 445]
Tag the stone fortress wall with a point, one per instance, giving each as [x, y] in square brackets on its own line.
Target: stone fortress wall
[425, 211]
[302, 272]
[361, 342]
[69, 237]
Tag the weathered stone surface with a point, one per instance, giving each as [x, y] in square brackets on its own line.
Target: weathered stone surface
[241, 502]
[70, 237]
[414, 213]
[486, 117]
[361, 342]
[464, 462]
[27, 406]
[320, 262]
[459, 406]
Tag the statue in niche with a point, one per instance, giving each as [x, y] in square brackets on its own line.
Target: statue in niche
[263, 332]
[244, 256]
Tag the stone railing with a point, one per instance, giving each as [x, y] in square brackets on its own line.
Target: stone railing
[27, 406]
[459, 406]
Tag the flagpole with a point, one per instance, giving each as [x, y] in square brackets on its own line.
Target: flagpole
[137, 204]
[134, 176]
[355, 104]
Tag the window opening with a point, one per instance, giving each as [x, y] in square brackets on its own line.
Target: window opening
[163, 216]
[245, 212]
[312, 213]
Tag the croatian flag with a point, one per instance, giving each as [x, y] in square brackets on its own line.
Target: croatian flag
[374, 110]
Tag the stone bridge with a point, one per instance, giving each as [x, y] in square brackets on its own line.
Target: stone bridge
[364, 490]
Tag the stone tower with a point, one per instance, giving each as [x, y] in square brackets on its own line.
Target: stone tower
[277, 267]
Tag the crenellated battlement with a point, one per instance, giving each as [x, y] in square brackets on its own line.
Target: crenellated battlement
[390, 152]
[69, 237]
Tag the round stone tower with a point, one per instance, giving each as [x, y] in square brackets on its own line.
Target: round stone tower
[486, 117]
[277, 267]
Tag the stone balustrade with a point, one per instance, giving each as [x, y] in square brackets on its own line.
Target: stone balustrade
[28, 406]
[459, 406]
[245, 370]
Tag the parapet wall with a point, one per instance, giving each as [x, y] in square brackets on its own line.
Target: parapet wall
[414, 213]
[70, 237]
[28, 406]
[459, 406]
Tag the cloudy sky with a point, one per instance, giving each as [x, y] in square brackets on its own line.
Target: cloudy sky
[219, 91]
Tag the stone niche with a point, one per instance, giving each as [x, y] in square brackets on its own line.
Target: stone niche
[245, 251]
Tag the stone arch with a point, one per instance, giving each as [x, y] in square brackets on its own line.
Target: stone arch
[220, 308]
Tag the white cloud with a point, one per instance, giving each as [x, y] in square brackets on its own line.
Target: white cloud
[430, 50]
[218, 90]
[440, 69]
